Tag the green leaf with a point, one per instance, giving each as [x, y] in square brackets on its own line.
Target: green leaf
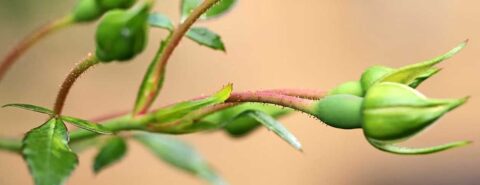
[238, 126]
[408, 74]
[31, 108]
[205, 37]
[151, 83]
[216, 10]
[275, 126]
[415, 151]
[179, 110]
[87, 125]
[47, 153]
[179, 154]
[113, 151]
[160, 21]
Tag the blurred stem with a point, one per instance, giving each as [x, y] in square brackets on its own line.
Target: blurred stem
[147, 122]
[172, 43]
[30, 40]
[67, 84]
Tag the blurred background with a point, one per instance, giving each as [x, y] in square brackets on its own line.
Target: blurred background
[270, 44]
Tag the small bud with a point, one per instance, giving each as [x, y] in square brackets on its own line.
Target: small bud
[352, 87]
[115, 4]
[89, 10]
[121, 34]
[339, 111]
[372, 75]
[394, 112]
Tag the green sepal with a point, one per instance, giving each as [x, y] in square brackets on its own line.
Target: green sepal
[180, 155]
[205, 37]
[46, 151]
[111, 152]
[342, 111]
[394, 112]
[390, 148]
[411, 73]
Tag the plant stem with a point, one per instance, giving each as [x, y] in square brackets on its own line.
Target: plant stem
[12, 145]
[67, 84]
[172, 42]
[30, 40]
[147, 122]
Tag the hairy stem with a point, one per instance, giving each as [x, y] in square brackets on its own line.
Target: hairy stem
[172, 42]
[30, 40]
[67, 84]
[147, 122]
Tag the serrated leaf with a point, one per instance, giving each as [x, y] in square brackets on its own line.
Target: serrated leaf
[387, 147]
[205, 37]
[47, 153]
[179, 154]
[219, 9]
[30, 108]
[273, 125]
[408, 74]
[113, 151]
[151, 84]
[87, 125]
[160, 21]
[179, 110]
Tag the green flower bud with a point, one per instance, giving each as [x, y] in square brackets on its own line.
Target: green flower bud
[121, 34]
[372, 75]
[89, 10]
[114, 4]
[352, 87]
[339, 111]
[394, 112]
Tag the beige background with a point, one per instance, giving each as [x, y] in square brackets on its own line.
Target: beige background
[271, 44]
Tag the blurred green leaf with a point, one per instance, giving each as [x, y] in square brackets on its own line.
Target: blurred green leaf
[87, 125]
[239, 126]
[113, 151]
[160, 21]
[47, 153]
[387, 147]
[31, 108]
[179, 110]
[273, 125]
[205, 37]
[217, 10]
[179, 154]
